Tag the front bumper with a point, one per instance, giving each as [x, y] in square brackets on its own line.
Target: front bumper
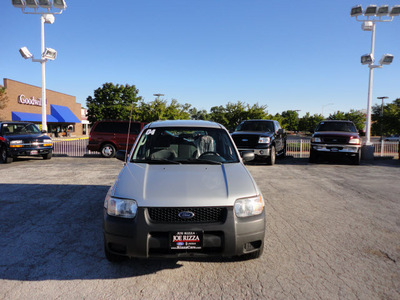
[140, 237]
[340, 148]
[29, 151]
[264, 152]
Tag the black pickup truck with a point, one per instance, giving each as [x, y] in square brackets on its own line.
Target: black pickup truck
[265, 138]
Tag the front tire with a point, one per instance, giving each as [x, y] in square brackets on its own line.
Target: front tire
[3, 156]
[356, 159]
[47, 156]
[108, 150]
[272, 157]
[313, 157]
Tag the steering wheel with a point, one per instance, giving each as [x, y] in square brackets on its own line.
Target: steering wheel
[208, 153]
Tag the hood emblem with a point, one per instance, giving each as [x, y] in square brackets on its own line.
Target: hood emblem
[245, 140]
[186, 215]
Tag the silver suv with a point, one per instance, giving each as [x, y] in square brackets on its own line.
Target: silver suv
[184, 191]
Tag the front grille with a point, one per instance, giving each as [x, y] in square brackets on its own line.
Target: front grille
[335, 140]
[245, 140]
[201, 214]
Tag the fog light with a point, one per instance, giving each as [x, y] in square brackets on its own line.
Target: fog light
[261, 152]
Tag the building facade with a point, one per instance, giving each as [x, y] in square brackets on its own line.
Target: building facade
[25, 104]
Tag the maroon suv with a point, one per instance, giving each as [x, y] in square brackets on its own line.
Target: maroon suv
[107, 137]
[336, 138]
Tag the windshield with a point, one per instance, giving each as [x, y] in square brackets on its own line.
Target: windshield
[184, 145]
[336, 126]
[260, 126]
[16, 128]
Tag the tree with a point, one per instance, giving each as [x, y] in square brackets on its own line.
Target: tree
[112, 102]
[290, 120]
[356, 116]
[159, 109]
[233, 113]
[217, 114]
[308, 123]
[390, 120]
[3, 100]
[199, 114]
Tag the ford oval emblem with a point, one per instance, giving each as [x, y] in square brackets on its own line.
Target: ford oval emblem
[186, 214]
[245, 140]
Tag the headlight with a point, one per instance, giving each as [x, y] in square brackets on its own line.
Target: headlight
[16, 143]
[246, 207]
[264, 140]
[354, 141]
[47, 142]
[316, 140]
[123, 208]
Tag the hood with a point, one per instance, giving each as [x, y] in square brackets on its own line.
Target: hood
[255, 133]
[30, 136]
[184, 185]
[336, 133]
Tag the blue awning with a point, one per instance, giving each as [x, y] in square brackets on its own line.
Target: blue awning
[63, 114]
[30, 117]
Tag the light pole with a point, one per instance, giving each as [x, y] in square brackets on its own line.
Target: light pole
[372, 15]
[46, 9]
[381, 116]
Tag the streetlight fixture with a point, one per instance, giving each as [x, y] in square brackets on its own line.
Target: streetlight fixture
[373, 14]
[158, 95]
[46, 9]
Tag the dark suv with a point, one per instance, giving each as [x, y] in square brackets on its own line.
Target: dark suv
[265, 138]
[336, 138]
[107, 137]
[23, 139]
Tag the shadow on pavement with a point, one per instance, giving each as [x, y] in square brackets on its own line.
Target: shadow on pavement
[54, 232]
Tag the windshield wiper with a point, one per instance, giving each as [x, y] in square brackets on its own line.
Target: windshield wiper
[201, 161]
[156, 161]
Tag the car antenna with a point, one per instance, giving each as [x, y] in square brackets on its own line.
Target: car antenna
[129, 131]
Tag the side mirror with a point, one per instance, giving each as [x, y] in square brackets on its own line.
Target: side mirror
[43, 131]
[281, 131]
[121, 155]
[248, 155]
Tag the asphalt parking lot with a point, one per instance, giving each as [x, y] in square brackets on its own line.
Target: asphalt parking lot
[333, 232]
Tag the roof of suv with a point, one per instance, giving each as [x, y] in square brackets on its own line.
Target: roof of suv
[343, 121]
[180, 123]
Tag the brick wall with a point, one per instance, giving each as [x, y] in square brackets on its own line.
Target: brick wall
[15, 88]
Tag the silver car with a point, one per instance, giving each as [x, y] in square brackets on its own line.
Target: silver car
[184, 191]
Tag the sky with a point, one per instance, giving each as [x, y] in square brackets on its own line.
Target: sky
[287, 55]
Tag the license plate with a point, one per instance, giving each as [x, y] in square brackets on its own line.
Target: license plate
[186, 240]
[334, 149]
[34, 152]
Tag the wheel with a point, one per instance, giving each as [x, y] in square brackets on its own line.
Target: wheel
[3, 156]
[47, 156]
[313, 157]
[111, 257]
[356, 159]
[283, 152]
[272, 157]
[108, 150]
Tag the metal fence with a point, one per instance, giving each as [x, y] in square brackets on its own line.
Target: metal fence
[297, 148]
[300, 148]
[71, 146]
